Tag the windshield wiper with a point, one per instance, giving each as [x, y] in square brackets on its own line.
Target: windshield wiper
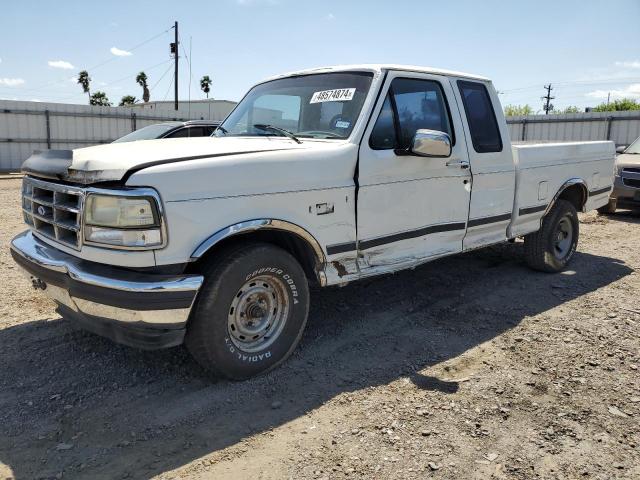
[286, 133]
[221, 128]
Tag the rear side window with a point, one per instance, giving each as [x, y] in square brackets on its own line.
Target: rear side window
[183, 132]
[483, 125]
[410, 105]
[189, 132]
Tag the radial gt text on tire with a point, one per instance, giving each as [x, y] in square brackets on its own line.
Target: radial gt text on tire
[250, 312]
[550, 249]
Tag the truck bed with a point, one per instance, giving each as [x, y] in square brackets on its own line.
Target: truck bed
[542, 168]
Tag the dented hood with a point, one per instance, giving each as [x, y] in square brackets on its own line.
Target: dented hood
[112, 162]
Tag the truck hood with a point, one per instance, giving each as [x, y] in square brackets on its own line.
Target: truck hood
[112, 162]
[628, 160]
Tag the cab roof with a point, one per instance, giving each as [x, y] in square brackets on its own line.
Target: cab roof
[379, 68]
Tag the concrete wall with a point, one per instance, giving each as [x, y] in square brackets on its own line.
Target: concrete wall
[621, 127]
[29, 126]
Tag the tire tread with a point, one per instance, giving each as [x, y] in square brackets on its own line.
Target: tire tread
[535, 244]
[198, 334]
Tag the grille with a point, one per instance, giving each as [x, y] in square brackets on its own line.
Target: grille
[631, 182]
[631, 170]
[53, 210]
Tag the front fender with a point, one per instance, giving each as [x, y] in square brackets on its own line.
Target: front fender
[259, 224]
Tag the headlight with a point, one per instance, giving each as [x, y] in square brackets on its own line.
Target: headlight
[113, 211]
[122, 221]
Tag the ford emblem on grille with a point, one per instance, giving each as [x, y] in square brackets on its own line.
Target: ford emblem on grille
[41, 210]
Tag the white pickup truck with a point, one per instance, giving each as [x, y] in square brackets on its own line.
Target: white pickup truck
[327, 175]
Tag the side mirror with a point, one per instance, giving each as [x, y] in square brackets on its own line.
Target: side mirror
[621, 149]
[431, 143]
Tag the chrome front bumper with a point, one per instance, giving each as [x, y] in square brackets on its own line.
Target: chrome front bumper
[129, 307]
[626, 195]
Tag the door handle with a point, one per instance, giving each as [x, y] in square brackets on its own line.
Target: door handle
[458, 163]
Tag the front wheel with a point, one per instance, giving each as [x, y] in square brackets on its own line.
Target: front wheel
[550, 249]
[250, 312]
[609, 208]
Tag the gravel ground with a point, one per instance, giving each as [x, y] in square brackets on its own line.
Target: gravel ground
[469, 367]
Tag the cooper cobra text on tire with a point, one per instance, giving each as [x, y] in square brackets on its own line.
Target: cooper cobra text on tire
[250, 312]
[550, 249]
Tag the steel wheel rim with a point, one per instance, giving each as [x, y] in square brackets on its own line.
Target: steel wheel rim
[258, 313]
[563, 238]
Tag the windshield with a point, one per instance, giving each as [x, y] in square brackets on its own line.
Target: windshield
[148, 133]
[323, 105]
[634, 147]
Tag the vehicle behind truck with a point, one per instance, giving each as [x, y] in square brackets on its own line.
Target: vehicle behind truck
[324, 176]
[626, 185]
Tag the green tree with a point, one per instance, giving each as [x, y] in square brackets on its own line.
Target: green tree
[512, 110]
[621, 105]
[205, 84]
[127, 100]
[100, 99]
[570, 109]
[84, 80]
[142, 81]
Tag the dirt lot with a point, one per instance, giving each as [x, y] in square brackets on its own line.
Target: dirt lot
[469, 367]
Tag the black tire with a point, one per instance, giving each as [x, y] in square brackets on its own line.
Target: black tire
[609, 208]
[237, 282]
[542, 248]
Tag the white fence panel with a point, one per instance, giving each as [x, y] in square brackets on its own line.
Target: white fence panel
[29, 126]
[620, 127]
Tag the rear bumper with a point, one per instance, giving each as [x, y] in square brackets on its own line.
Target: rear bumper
[141, 310]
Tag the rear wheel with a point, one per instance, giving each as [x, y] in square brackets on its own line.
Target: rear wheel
[251, 311]
[550, 249]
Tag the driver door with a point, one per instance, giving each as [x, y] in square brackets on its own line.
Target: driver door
[411, 208]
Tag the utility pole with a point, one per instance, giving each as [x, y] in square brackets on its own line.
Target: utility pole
[174, 49]
[548, 106]
[608, 98]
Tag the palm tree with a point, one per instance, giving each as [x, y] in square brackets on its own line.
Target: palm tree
[205, 84]
[84, 80]
[142, 81]
[100, 99]
[127, 100]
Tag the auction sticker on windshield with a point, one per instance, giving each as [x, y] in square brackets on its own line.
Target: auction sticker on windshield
[335, 95]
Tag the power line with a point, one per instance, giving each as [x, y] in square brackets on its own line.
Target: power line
[118, 80]
[129, 50]
[168, 90]
[188, 58]
[161, 77]
[49, 84]
[602, 81]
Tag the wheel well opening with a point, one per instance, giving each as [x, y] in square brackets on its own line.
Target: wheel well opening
[292, 243]
[576, 195]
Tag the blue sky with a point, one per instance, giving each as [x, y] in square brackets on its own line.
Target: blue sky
[586, 48]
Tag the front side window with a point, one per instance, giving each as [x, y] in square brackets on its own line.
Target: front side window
[325, 105]
[410, 105]
[483, 125]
